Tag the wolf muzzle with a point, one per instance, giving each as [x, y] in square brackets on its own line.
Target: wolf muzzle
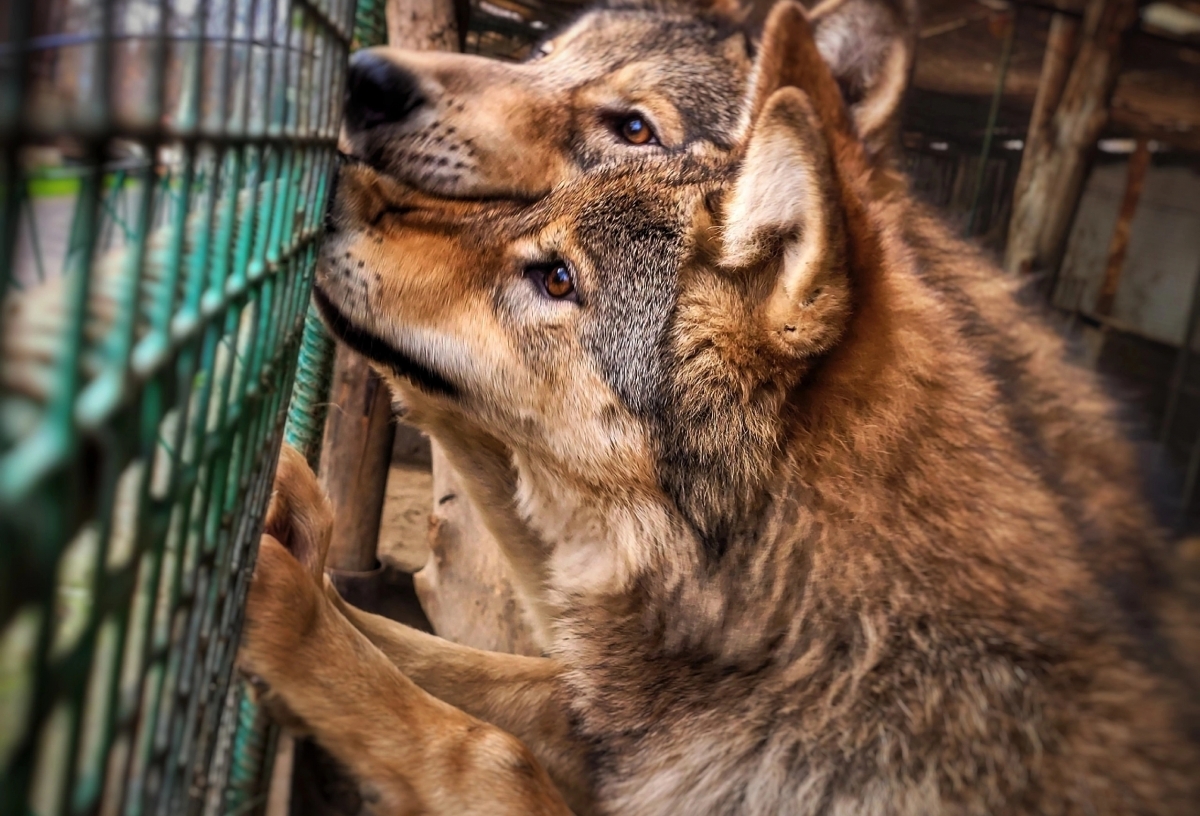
[380, 351]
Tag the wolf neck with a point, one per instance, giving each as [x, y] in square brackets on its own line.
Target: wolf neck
[604, 540]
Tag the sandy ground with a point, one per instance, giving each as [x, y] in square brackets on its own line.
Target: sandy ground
[404, 527]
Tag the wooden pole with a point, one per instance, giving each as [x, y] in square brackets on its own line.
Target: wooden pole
[1056, 64]
[357, 451]
[1118, 247]
[1070, 111]
[423, 25]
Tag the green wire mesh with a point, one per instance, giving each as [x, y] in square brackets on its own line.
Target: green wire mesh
[254, 736]
[163, 171]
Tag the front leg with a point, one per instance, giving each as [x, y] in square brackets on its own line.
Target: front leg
[524, 696]
[521, 695]
[413, 752]
[485, 470]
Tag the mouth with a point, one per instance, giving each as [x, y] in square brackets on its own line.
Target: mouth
[419, 189]
[380, 351]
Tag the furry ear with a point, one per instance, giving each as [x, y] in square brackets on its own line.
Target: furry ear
[870, 45]
[867, 45]
[784, 213]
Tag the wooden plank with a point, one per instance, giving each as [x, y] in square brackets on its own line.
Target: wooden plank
[1118, 247]
[1056, 66]
[422, 25]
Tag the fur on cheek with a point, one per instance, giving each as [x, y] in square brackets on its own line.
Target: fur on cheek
[599, 547]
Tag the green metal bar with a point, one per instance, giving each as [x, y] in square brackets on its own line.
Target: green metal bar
[254, 739]
[149, 458]
[34, 241]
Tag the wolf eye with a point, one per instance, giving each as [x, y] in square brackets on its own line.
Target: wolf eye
[636, 130]
[555, 279]
[558, 281]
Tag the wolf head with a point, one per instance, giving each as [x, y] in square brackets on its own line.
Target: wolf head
[630, 79]
[642, 328]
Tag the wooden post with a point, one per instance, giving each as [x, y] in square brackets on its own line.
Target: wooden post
[1139, 161]
[1070, 111]
[1056, 64]
[423, 25]
[356, 453]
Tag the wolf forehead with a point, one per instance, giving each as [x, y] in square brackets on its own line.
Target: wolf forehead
[707, 62]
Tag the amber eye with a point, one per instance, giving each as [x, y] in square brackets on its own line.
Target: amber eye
[557, 281]
[636, 130]
[554, 278]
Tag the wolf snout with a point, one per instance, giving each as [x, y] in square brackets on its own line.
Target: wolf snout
[379, 92]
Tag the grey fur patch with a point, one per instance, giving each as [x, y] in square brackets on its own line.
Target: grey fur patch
[636, 248]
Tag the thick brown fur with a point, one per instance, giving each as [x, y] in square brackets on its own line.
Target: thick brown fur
[816, 515]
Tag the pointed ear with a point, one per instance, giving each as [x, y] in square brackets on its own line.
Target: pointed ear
[866, 45]
[784, 215]
[870, 46]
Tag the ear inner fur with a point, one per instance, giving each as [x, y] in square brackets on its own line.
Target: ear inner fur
[786, 188]
[789, 58]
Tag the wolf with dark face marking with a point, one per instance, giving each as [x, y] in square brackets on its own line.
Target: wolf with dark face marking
[629, 79]
[814, 514]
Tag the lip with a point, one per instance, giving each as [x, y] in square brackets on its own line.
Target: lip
[380, 351]
[419, 197]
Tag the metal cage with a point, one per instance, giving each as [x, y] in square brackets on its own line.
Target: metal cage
[164, 166]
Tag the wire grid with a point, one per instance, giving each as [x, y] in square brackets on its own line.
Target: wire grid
[163, 171]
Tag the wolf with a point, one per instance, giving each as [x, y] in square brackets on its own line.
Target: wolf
[626, 80]
[817, 516]
[630, 77]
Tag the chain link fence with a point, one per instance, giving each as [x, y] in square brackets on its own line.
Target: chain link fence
[164, 166]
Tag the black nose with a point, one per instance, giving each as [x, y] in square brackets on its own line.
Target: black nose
[380, 92]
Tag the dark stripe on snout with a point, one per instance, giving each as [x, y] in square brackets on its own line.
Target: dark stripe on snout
[375, 348]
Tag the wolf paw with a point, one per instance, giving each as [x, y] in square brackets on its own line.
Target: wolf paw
[283, 607]
[300, 516]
